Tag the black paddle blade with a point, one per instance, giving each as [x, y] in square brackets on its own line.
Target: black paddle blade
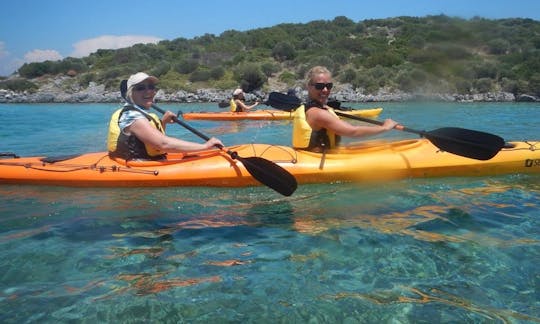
[337, 105]
[269, 174]
[224, 104]
[283, 101]
[123, 88]
[465, 142]
[334, 104]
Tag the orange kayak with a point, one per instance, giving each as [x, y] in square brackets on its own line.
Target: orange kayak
[268, 114]
[368, 161]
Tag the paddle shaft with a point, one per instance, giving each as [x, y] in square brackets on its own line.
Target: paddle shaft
[434, 135]
[380, 123]
[187, 126]
[227, 104]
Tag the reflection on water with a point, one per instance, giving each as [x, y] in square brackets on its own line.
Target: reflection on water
[411, 295]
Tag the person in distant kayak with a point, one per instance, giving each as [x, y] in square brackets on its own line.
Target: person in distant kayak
[316, 127]
[135, 133]
[238, 102]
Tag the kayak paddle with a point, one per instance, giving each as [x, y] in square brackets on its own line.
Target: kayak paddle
[263, 170]
[227, 104]
[224, 104]
[460, 141]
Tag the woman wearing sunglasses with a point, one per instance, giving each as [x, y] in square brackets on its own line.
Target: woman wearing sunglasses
[317, 128]
[135, 133]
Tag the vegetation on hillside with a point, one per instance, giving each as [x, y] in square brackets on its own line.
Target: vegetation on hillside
[428, 54]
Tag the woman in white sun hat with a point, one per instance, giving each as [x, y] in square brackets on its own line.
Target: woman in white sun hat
[238, 102]
[135, 133]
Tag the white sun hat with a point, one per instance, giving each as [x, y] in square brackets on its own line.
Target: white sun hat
[140, 77]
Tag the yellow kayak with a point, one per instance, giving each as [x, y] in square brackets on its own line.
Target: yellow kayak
[268, 114]
[369, 161]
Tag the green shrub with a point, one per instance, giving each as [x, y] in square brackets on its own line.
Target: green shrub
[200, 76]
[283, 51]
[36, 69]
[86, 78]
[348, 76]
[463, 86]
[160, 69]
[217, 73]
[269, 68]
[186, 66]
[250, 77]
[287, 77]
[18, 85]
[483, 85]
[534, 85]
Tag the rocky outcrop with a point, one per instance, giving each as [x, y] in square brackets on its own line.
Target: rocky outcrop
[52, 93]
[57, 91]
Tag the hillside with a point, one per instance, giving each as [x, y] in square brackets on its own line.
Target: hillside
[432, 54]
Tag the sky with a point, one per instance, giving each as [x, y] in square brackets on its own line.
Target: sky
[39, 30]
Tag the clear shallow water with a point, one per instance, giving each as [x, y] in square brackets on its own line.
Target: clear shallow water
[412, 251]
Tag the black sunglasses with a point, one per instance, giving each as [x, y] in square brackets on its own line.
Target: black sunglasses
[143, 87]
[320, 85]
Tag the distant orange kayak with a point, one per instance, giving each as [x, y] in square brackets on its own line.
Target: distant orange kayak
[268, 114]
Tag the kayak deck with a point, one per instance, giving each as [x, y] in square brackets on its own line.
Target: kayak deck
[368, 161]
[267, 114]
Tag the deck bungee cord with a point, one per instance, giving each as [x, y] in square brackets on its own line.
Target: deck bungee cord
[54, 164]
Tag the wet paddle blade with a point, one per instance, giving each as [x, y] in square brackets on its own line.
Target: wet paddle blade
[465, 142]
[270, 174]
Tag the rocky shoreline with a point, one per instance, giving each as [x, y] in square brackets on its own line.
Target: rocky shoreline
[95, 93]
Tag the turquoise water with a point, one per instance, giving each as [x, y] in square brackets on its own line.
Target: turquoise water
[451, 250]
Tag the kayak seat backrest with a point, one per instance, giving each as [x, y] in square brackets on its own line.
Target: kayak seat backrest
[60, 158]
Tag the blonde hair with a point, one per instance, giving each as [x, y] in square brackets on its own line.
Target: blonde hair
[129, 94]
[316, 70]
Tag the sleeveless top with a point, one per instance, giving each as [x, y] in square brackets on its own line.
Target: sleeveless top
[304, 137]
[129, 147]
